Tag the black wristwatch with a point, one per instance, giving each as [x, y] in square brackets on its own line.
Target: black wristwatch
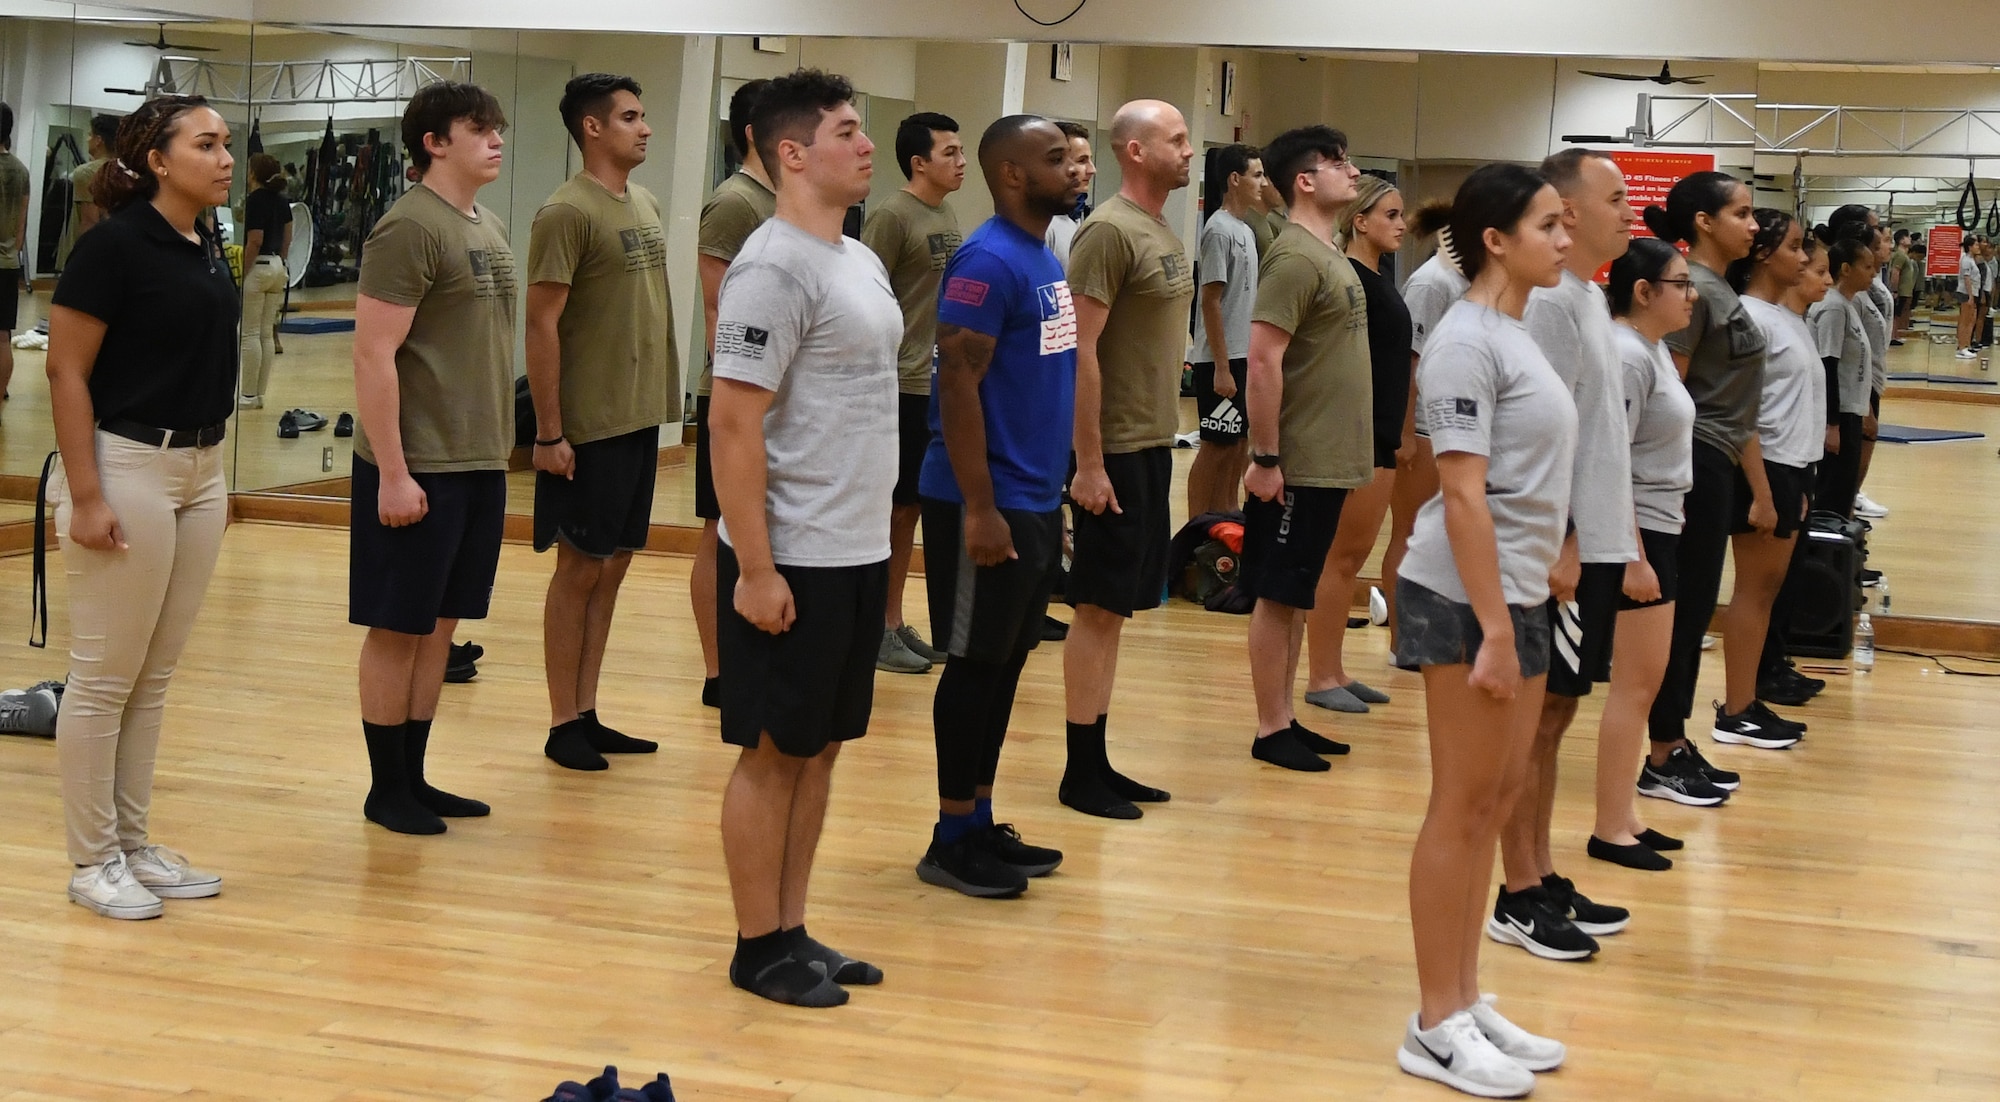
[548, 443]
[1263, 460]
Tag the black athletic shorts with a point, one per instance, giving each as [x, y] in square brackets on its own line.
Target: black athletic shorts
[10, 298]
[1285, 541]
[1223, 420]
[1434, 630]
[913, 439]
[608, 506]
[705, 505]
[1580, 631]
[1118, 561]
[1663, 554]
[1874, 407]
[1792, 491]
[813, 684]
[440, 568]
[989, 613]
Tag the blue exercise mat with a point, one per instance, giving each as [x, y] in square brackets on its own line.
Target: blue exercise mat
[1908, 377]
[1962, 380]
[1910, 434]
[300, 324]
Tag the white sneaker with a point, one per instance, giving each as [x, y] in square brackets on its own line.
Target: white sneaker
[168, 875]
[1187, 439]
[1708, 642]
[110, 890]
[1522, 1047]
[1378, 606]
[1458, 1055]
[1869, 509]
[1967, 354]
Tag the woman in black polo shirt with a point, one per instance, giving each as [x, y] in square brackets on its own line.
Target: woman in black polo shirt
[142, 372]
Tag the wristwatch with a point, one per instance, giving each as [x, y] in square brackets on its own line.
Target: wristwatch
[1264, 460]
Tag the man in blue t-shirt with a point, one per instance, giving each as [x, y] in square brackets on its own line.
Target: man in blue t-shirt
[1002, 403]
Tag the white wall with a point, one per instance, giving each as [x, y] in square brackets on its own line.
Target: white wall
[965, 80]
[1074, 99]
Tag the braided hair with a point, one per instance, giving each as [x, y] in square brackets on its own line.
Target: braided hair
[129, 177]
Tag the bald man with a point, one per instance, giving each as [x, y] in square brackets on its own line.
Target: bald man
[991, 490]
[1132, 285]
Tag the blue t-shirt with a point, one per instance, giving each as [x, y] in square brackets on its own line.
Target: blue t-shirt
[1009, 286]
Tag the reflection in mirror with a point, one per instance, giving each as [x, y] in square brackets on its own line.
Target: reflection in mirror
[45, 143]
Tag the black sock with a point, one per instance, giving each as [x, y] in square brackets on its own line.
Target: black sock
[416, 742]
[1283, 748]
[711, 692]
[605, 740]
[569, 746]
[1120, 783]
[1635, 856]
[1084, 786]
[840, 967]
[765, 967]
[1316, 742]
[1086, 749]
[390, 802]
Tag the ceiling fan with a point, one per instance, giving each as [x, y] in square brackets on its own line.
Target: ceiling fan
[1666, 76]
[163, 45]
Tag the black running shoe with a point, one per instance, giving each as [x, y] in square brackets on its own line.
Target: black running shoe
[288, 426]
[1596, 919]
[1679, 779]
[1782, 691]
[1723, 779]
[466, 653]
[344, 427]
[1003, 841]
[1053, 630]
[969, 867]
[1774, 719]
[1747, 728]
[1529, 919]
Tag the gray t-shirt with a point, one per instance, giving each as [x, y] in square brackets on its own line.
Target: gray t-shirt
[1491, 392]
[816, 323]
[1878, 307]
[1725, 375]
[1573, 327]
[1839, 333]
[1429, 292]
[1062, 231]
[1791, 421]
[1971, 275]
[1228, 257]
[1660, 417]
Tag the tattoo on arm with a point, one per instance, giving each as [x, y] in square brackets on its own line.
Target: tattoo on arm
[961, 349]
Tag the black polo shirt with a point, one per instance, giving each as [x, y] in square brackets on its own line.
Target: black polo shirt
[170, 307]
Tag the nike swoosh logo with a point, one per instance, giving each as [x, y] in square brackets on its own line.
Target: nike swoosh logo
[1443, 1061]
[1528, 929]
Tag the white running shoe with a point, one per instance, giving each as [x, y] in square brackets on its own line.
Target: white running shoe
[110, 890]
[1187, 439]
[1864, 507]
[1708, 642]
[1522, 1047]
[168, 875]
[1458, 1055]
[1378, 606]
[1967, 354]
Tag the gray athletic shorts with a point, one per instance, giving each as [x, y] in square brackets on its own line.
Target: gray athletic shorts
[1434, 630]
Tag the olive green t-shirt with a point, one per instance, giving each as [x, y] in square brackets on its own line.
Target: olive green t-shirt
[736, 208]
[80, 179]
[1325, 419]
[455, 371]
[1132, 262]
[914, 241]
[13, 202]
[1264, 227]
[620, 371]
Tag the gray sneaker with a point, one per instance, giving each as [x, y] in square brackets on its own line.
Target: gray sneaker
[28, 712]
[918, 646]
[110, 890]
[895, 657]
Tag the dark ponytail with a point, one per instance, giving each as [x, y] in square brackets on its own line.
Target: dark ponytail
[1646, 261]
[1773, 226]
[1700, 193]
[1429, 217]
[1844, 248]
[1494, 197]
[128, 178]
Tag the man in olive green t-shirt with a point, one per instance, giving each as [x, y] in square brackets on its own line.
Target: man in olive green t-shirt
[915, 234]
[434, 382]
[739, 205]
[1132, 286]
[1311, 426]
[604, 377]
[14, 186]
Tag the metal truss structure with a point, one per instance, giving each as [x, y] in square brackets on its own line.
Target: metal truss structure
[290, 83]
[1739, 121]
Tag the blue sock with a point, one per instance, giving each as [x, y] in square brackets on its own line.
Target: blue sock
[982, 811]
[951, 828]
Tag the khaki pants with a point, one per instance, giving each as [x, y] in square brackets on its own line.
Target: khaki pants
[130, 613]
[263, 299]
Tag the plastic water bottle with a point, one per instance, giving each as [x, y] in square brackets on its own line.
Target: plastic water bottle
[1882, 596]
[1864, 644]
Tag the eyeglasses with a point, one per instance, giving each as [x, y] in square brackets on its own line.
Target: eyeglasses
[1686, 285]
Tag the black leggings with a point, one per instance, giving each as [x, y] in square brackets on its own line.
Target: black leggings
[1711, 510]
[969, 718]
[1773, 658]
[1840, 472]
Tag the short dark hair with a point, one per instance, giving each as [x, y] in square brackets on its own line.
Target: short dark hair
[590, 95]
[1073, 130]
[1645, 261]
[1918, 248]
[105, 129]
[1233, 160]
[790, 108]
[436, 106]
[1293, 152]
[6, 125]
[1847, 215]
[1565, 169]
[1903, 235]
[742, 104]
[916, 136]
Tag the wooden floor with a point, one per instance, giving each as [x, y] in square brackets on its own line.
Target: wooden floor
[1833, 933]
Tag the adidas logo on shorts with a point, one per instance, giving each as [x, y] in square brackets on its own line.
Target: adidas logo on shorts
[1225, 417]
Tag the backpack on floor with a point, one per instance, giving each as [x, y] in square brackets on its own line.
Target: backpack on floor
[1205, 560]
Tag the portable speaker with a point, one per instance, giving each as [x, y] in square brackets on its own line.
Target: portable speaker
[1824, 588]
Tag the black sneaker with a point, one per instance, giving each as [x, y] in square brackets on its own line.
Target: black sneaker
[344, 427]
[1765, 714]
[1530, 920]
[1003, 841]
[1747, 728]
[1679, 779]
[968, 866]
[1721, 778]
[1782, 690]
[1596, 919]
[288, 427]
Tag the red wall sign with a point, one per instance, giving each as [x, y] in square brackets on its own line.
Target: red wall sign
[1649, 175]
[1945, 242]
